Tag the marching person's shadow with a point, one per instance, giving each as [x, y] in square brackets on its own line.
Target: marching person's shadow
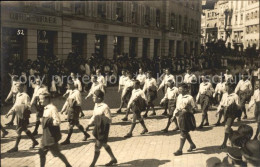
[143, 162]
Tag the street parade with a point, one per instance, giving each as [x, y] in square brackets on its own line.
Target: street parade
[148, 97]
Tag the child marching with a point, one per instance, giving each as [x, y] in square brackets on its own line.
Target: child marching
[184, 109]
[21, 108]
[171, 96]
[150, 90]
[101, 119]
[73, 109]
[136, 104]
[51, 131]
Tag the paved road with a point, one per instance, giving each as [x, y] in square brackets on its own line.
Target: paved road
[151, 150]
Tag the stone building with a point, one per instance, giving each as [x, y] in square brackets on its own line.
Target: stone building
[139, 28]
[237, 23]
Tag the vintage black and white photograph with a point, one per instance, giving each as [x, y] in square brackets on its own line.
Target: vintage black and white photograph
[130, 83]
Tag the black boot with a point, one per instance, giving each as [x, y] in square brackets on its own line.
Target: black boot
[143, 125]
[37, 124]
[224, 144]
[64, 160]
[118, 111]
[176, 124]
[4, 132]
[167, 126]
[202, 121]
[15, 148]
[29, 134]
[207, 121]
[67, 141]
[11, 123]
[245, 116]
[96, 155]
[128, 135]
[192, 145]
[113, 158]
[165, 111]
[126, 114]
[179, 151]
[86, 135]
[219, 118]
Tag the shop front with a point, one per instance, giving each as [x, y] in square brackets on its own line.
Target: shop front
[14, 40]
[45, 43]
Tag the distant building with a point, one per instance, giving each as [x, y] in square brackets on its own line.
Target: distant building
[148, 29]
[236, 22]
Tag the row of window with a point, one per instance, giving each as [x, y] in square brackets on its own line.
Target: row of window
[252, 29]
[252, 15]
[189, 25]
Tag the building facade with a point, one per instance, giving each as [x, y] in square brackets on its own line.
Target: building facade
[138, 28]
[237, 23]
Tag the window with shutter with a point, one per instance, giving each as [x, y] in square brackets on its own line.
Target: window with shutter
[108, 10]
[94, 5]
[158, 18]
[79, 8]
[147, 20]
[113, 10]
[101, 9]
[119, 11]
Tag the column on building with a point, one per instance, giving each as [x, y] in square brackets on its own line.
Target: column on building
[150, 53]
[126, 44]
[31, 47]
[58, 49]
[90, 44]
[66, 41]
[175, 48]
[139, 47]
[165, 46]
[109, 46]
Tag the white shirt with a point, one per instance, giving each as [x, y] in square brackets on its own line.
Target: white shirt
[243, 86]
[75, 94]
[228, 99]
[96, 86]
[37, 91]
[129, 83]
[21, 98]
[51, 111]
[122, 80]
[188, 78]
[171, 93]
[141, 78]
[166, 79]
[77, 83]
[184, 102]
[221, 87]
[228, 76]
[255, 98]
[14, 89]
[135, 94]
[101, 80]
[205, 88]
[149, 82]
[101, 109]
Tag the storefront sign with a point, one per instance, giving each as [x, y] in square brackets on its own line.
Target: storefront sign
[100, 26]
[145, 31]
[27, 17]
[177, 35]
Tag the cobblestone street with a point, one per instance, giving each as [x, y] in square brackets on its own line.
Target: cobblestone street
[151, 150]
